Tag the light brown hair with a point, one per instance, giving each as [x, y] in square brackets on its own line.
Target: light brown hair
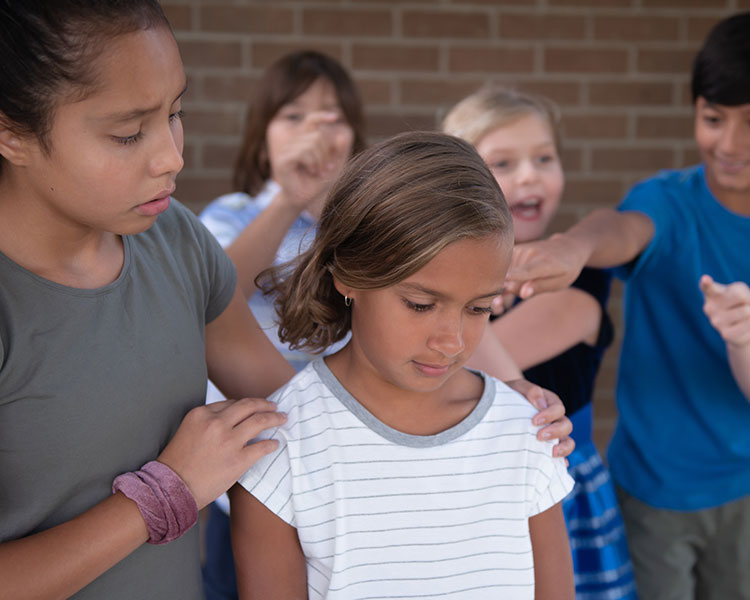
[491, 107]
[391, 211]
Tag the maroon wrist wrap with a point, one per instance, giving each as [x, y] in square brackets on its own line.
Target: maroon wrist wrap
[164, 500]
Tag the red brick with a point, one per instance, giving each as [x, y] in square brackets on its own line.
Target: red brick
[638, 29]
[264, 53]
[380, 125]
[583, 190]
[562, 92]
[233, 87]
[640, 159]
[584, 60]
[189, 153]
[683, 4]
[572, 157]
[664, 126]
[698, 27]
[210, 54]
[595, 126]
[443, 92]
[374, 91]
[621, 93]
[215, 121]
[445, 24]
[196, 191]
[588, 3]
[178, 15]
[487, 59]
[395, 57]
[690, 156]
[246, 19]
[219, 156]
[665, 61]
[340, 21]
[542, 26]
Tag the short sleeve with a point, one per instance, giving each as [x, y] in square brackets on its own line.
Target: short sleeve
[549, 481]
[270, 481]
[651, 198]
[221, 272]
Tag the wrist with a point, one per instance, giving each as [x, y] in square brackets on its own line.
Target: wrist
[163, 498]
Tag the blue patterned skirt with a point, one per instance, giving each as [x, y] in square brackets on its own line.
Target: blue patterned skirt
[601, 561]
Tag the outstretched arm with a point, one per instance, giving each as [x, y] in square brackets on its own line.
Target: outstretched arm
[728, 308]
[605, 238]
[267, 554]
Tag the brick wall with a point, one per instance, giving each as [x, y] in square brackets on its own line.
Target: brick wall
[618, 68]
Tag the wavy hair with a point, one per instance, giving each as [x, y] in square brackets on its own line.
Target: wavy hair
[391, 211]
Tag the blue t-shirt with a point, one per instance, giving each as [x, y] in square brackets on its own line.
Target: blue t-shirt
[682, 440]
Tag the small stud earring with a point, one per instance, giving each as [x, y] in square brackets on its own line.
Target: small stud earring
[347, 301]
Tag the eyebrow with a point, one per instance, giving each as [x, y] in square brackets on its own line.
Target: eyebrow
[139, 112]
[440, 296]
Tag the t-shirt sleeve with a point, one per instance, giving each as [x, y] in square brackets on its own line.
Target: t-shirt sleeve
[652, 199]
[270, 479]
[549, 481]
[218, 273]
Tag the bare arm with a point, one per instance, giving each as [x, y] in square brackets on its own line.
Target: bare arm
[492, 358]
[728, 308]
[241, 359]
[305, 169]
[542, 327]
[605, 238]
[268, 557]
[208, 451]
[553, 564]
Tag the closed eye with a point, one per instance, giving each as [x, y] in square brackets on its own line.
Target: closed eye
[417, 307]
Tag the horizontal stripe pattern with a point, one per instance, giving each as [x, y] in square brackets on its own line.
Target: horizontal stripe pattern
[382, 514]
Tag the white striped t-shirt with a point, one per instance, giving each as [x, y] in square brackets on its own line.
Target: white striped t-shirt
[384, 514]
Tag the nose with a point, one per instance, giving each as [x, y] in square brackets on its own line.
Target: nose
[526, 172]
[167, 157]
[447, 338]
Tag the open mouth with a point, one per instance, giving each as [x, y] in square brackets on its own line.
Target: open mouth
[528, 209]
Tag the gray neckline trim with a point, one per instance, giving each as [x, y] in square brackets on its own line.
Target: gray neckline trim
[399, 437]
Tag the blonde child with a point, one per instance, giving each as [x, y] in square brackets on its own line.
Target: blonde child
[401, 472]
[557, 339]
[680, 454]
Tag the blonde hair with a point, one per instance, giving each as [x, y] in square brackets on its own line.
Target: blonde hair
[491, 107]
[392, 210]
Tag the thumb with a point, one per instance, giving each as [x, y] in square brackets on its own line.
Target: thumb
[709, 287]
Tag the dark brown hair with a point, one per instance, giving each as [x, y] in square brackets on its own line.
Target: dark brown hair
[284, 81]
[391, 211]
[48, 51]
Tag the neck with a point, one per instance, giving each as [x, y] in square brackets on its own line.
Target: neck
[736, 201]
[48, 244]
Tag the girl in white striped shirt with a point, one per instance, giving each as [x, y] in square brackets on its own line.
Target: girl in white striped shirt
[399, 473]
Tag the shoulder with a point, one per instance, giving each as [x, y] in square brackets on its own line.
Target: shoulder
[666, 189]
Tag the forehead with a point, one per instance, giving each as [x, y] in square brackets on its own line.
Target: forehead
[468, 268]
[136, 70]
[530, 129]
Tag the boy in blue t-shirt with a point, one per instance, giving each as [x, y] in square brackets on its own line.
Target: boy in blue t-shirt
[681, 450]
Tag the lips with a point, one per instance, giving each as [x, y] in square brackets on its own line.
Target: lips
[432, 370]
[528, 209]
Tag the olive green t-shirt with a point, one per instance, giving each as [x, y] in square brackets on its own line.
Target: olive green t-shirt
[94, 383]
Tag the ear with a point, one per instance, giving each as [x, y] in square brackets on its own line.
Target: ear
[342, 289]
[13, 147]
